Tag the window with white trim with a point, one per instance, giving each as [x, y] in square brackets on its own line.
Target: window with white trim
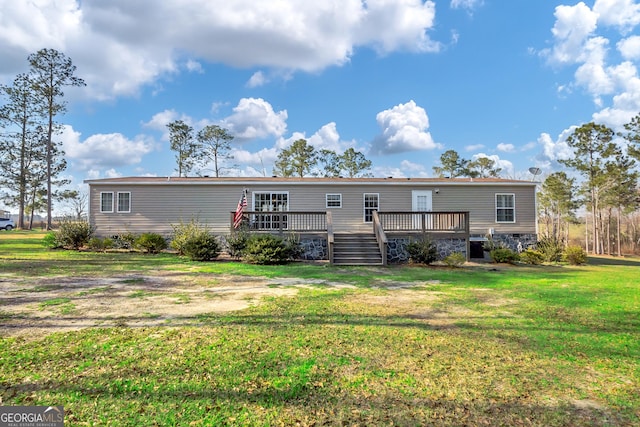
[333, 200]
[124, 202]
[505, 208]
[106, 202]
[371, 203]
[276, 201]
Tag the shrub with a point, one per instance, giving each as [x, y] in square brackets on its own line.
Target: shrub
[575, 255]
[422, 251]
[201, 247]
[292, 243]
[236, 243]
[74, 234]
[184, 232]
[100, 245]
[124, 241]
[455, 259]
[532, 257]
[151, 243]
[50, 240]
[504, 255]
[551, 249]
[266, 249]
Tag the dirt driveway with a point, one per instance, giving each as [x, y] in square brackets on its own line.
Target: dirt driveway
[40, 306]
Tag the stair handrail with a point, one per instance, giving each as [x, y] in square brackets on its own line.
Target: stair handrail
[330, 238]
[381, 237]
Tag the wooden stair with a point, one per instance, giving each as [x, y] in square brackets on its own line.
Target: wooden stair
[356, 249]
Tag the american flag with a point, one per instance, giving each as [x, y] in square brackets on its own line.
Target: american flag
[242, 203]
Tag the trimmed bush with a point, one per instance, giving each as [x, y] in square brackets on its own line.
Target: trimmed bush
[266, 249]
[422, 251]
[184, 232]
[201, 247]
[236, 243]
[151, 243]
[504, 255]
[575, 255]
[74, 234]
[532, 257]
[551, 249]
[100, 245]
[455, 259]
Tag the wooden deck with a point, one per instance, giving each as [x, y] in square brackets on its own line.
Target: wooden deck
[436, 225]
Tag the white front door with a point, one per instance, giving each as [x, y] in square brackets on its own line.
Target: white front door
[421, 202]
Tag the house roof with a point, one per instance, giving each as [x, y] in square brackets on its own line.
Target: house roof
[172, 180]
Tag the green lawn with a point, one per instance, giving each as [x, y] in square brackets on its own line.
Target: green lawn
[492, 345]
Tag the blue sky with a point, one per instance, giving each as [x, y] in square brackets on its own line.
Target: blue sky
[401, 81]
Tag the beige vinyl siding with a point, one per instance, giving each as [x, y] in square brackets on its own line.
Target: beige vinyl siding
[480, 202]
[155, 207]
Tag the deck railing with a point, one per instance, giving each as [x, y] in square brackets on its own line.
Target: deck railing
[425, 222]
[284, 221]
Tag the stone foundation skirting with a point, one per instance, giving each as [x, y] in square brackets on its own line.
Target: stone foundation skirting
[515, 242]
[397, 248]
[314, 248]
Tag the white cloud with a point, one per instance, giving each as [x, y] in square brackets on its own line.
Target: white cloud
[579, 36]
[257, 79]
[505, 165]
[507, 148]
[104, 150]
[122, 45]
[407, 169]
[194, 66]
[404, 128]
[593, 74]
[473, 147]
[552, 151]
[254, 118]
[624, 14]
[391, 25]
[630, 48]
[327, 137]
[573, 26]
[466, 4]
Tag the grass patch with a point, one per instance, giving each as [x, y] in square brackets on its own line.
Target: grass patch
[53, 302]
[542, 346]
[139, 294]
[62, 306]
[181, 298]
[43, 288]
[94, 291]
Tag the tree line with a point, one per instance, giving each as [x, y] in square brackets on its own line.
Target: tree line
[31, 160]
[212, 146]
[608, 190]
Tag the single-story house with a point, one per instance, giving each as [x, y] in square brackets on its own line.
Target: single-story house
[455, 212]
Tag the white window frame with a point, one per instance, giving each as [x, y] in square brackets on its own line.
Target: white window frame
[270, 218]
[102, 206]
[365, 207]
[270, 207]
[336, 203]
[118, 202]
[505, 208]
